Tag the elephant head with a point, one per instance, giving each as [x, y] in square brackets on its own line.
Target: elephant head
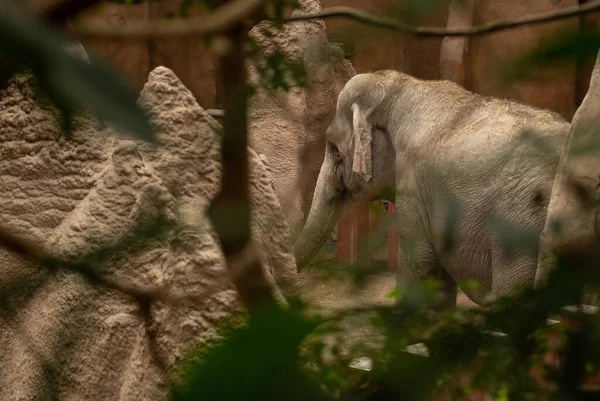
[359, 158]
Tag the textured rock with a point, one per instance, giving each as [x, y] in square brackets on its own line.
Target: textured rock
[289, 127]
[64, 338]
[572, 224]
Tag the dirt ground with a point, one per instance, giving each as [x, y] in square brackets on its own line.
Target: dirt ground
[358, 336]
[332, 294]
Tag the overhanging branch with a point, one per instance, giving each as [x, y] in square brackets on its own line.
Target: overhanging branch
[218, 21]
[423, 31]
[231, 13]
[57, 12]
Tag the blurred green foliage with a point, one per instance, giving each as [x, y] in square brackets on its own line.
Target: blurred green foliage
[71, 82]
[563, 46]
[278, 352]
[261, 360]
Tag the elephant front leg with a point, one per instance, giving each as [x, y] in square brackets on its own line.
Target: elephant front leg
[416, 267]
[417, 260]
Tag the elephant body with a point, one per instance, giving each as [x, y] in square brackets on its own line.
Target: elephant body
[466, 167]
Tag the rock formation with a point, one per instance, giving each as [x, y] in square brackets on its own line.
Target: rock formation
[289, 127]
[64, 337]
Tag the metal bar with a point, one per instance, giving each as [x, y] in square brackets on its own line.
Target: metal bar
[215, 113]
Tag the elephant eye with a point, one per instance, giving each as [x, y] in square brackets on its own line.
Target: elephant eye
[378, 127]
[334, 149]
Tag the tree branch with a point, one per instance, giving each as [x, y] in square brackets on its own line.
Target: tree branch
[220, 20]
[421, 31]
[226, 16]
[57, 12]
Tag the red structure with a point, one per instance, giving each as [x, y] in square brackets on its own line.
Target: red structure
[392, 239]
[354, 226]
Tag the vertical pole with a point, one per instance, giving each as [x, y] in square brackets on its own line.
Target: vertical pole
[230, 210]
[150, 13]
[392, 239]
[453, 50]
[346, 236]
[362, 227]
[353, 229]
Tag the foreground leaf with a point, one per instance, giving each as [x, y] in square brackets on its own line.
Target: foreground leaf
[257, 362]
[70, 82]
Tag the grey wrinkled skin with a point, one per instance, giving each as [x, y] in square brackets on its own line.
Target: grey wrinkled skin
[449, 147]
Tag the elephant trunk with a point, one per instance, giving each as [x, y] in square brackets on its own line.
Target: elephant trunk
[323, 215]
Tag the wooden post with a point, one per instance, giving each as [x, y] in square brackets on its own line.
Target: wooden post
[353, 228]
[392, 239]
[362, 226]
[453, 50]
[345, 237]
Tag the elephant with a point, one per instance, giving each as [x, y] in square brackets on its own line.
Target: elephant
[439, 145]
[573, 222]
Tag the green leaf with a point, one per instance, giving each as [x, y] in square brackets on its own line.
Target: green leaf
[70, 82]
[259, 362]
[185, 8]
[502, 394]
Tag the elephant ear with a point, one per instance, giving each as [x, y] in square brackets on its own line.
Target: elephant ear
[361, 132]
